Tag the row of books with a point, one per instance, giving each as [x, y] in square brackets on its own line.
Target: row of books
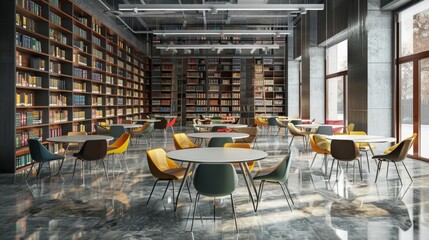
[77, 58]
[30, 6]
[38, 63]
[57, 36]
[80, 45]
[57, 116]
[55, 67]
[32, 43]
[21, 138]
[97, 77]
[25, 22]
[54, 3]
[57, 52]
[24, 99]
[28, 118]
[78, 115]
[79, 100]
[96, 40]
[79, 31]
[97, 65]
[23, 160]
[82, 20]
[79, 127]
[57, 100]
[55, 18]
[79, 86]
[56, 83]
[78, 72]
[28, 80]
[55, 132]
[97, 53]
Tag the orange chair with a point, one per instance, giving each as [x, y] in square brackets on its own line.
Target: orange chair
[250, 164]
[120, 146]
[318, 148]
[181, 141]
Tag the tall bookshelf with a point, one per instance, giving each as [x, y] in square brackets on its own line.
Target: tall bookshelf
[72, 72]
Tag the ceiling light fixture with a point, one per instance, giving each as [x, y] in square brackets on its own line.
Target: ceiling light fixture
[265, 47]
[219, 7]
[277, 33]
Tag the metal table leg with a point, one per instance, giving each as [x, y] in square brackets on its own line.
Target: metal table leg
[247, 185]
[182, 184]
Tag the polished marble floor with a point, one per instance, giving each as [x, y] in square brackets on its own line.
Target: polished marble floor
[57, 208]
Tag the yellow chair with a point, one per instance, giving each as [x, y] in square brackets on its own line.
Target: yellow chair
[320, 145]
[120, 146]
[364, 147]
[350, 127]
[250, 164]
[164, 169]
[104, 124]
[297, 133]
[181, 141]
[412, 137]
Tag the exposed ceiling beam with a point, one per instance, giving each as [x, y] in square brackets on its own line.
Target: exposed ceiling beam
[218, 46]
[219, 7]
[221, 32]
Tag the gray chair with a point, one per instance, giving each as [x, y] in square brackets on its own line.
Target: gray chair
[272, 123]
[215, 180]
[278, 174]
[219, 141]
[325, 130]
[117, 131]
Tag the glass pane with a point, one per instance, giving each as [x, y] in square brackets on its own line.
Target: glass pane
[406, 78]
[424, 108]
[336, 58]
[414, 29]
[335, 101]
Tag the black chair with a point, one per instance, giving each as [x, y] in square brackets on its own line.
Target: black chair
[40, 154]
[215, 128]
[92, 150]
[325, 130]
[100, 130]
[344, 150]
[161, 125]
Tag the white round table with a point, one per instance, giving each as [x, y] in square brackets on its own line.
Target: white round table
[219, 155]
[221, 125]
[125, 125]
[147, 120]
[362, 138]
[315, 126]
[209, 135]
[79, 138]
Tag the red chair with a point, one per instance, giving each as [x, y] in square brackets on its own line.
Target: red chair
[171, 123]
[336, 122]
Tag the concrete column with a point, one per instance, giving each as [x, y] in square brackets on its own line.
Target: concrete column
[293, 88]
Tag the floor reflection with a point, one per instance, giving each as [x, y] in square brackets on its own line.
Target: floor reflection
[56, 207]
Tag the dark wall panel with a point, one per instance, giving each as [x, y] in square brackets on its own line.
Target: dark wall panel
[297, 40]
[7, 86]
[305, 67]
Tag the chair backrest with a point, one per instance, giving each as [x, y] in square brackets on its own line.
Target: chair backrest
[161, 124]
[281, 171]
[93, 150]
[172, 122]
[325, 130]
[219, 141]
[296, 122]
[148, 128]
[350, 127]
[252, 131]
[117, 131]
[344, 150]
[158, 162]
[401, 151]
[236, 120]
[315, 147]
[215, 180]
[181, 141]
[215, 128]
[100, 130]
[122, 143]
[38, 152]
[272, 121]
[237, 145]
[293, 130]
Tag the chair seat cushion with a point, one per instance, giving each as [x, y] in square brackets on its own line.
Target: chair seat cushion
[174, 173]
[265, 174]
[322, 142]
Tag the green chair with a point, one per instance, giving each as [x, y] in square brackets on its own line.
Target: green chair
[215, 180]
[219, 141]
[278, 174]
[272, 123]
[117, 131]
[40, 154]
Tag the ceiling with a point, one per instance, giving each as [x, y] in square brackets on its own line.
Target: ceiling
[155, 20]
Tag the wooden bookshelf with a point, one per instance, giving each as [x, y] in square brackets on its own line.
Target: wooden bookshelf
[72, 72]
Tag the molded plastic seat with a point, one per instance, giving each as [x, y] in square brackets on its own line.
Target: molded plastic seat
[92, 150]
[171, 124]
[325, 130]
[219, 141]
[320, 145]
[215, 180]
[117, 131]
[164, 169]
[142, 131]
[344, 150]
[253, 134]
[181, 141]
[40, 154]
[120, 146]
[100, 130]
[297, 133]
[278, 174]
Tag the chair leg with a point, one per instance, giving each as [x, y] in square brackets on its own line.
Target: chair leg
[314, 158]
[291, 141]
[195, 208]
[61, 165]
[332, 166]
[39, 169]
[367, 160]
[290, 196]
[74, 168]
[259, 197]
[233, 212]
[125, 162]
[360, 170]
[105, 170]
[28, 174]
[387, 171]
[189, 190]
[166, 188]
[399, 175]
[338, 169]
[378, 170]
[285, 196]
[174, 205]
[409, 175]
[153, 188]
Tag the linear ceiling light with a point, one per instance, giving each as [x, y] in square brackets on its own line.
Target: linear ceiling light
[221, 32]
[218, 7]
[218, 46]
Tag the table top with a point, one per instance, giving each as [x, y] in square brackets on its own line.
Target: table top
[220, 125]
[125, 125]
[209, 135]
[312, 126]
[363, 138]
[147, 120]
[79, 138]
[166, 117]
[217, 155]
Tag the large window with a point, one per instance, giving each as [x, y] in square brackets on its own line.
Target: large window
[413, 76]
[336, 80]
